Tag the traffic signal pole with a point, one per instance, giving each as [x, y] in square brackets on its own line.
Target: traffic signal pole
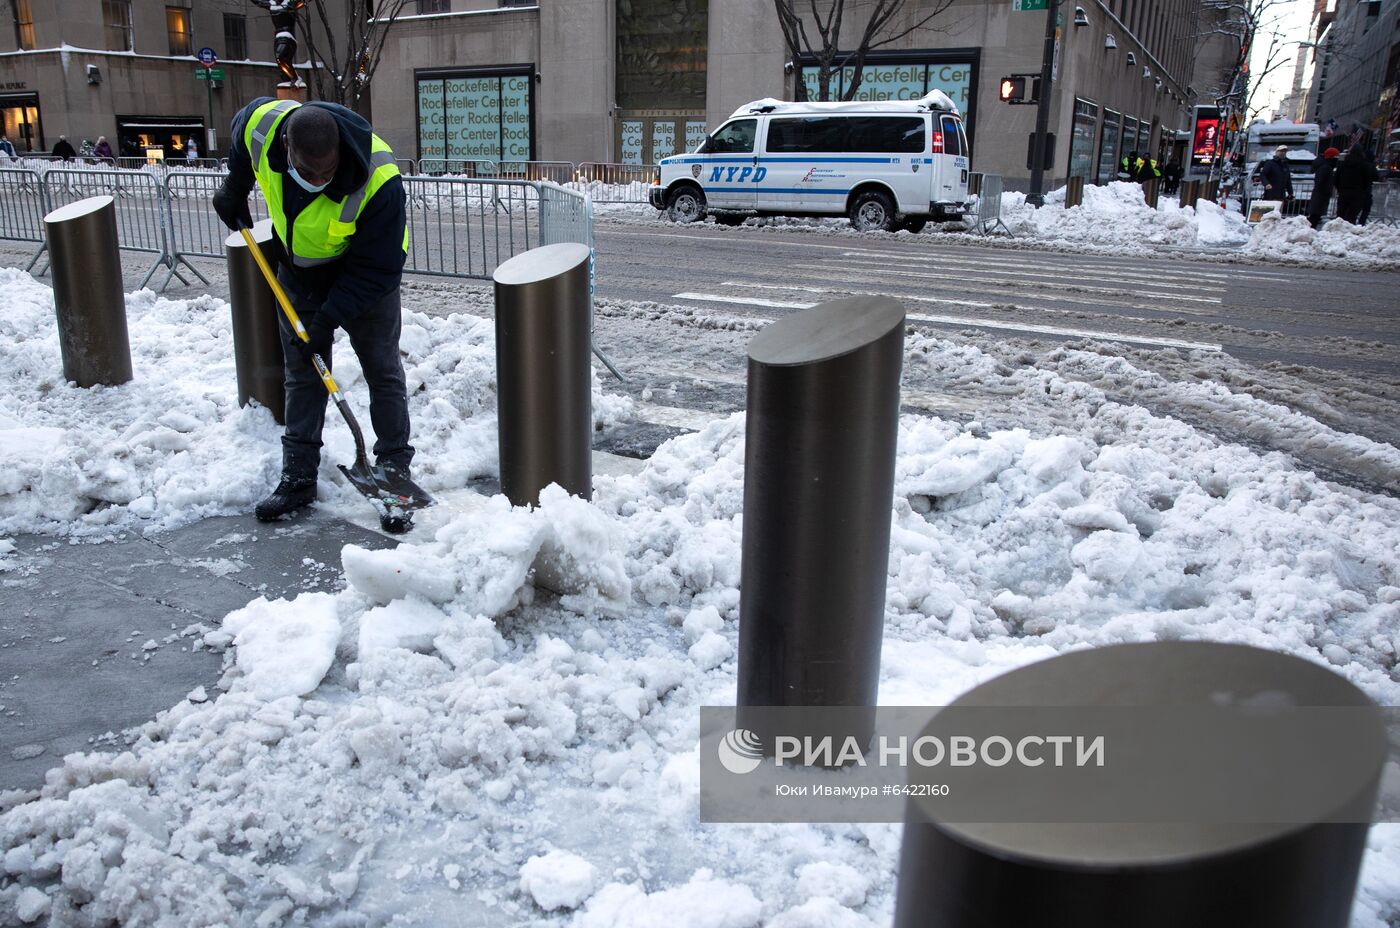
[1036, 197]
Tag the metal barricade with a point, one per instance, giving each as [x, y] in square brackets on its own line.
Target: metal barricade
[142, 214]
[406, 165]
[466, 228]
[192, 164]
[463, 167]
[559, 172]
[195, 229]
[616, 183]
[989, 205]
[23, 206]
[566, 215]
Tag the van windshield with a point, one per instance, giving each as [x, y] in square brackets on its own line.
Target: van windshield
[737, 136]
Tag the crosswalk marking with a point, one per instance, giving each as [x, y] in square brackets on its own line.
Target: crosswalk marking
[975, 323]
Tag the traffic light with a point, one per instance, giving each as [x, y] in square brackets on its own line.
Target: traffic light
[1013, 89]
[1019, 88]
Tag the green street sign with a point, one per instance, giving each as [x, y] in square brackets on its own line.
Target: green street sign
[201, 74]
[1029, 6]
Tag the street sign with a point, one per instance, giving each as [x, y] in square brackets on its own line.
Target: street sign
[200, 74]
[204, 74]
[1029, 6]
[207, 57]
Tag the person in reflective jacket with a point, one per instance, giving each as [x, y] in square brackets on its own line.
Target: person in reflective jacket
[336, 202]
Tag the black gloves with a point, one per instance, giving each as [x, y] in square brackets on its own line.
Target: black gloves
[319, 332]
[232, 208]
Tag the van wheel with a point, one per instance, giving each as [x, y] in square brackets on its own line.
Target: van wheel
[914, 224]
[686, 204]
[730, 219]
[873, 210]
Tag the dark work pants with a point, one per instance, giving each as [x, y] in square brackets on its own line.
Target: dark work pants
[375, 337]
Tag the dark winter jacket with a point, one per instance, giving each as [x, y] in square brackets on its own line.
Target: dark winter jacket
[1324, 174]
[373, 264]
[102, 150]
[65, 150]
[7, 148]
[1356, 173]
[1273, 174]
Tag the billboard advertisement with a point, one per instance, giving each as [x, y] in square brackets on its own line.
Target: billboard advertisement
[1205, 137]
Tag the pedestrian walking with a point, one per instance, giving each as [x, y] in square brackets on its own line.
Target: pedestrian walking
[103, 148]
[337, 206]
[1172, 175]
[1274, 176]
[7, 148]
[191, 150]
[1324, 181]
[64, 149]
[1355, 175]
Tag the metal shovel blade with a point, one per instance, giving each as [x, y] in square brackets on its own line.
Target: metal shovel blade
[392, 492]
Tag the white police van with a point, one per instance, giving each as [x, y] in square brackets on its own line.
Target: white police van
[887, 165]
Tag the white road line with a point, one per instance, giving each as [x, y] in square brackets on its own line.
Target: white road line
[720, 238]
[1113, 291]
[1077, 300]
[1026, 255]
[1000, 270]
[977, 323]
[746, 300]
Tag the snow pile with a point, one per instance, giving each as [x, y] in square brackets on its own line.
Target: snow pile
[1110, 215]
[1294, 240]
[173, 446]
[499, 717]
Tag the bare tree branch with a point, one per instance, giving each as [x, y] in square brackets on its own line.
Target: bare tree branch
[345, 78]
[827, 18]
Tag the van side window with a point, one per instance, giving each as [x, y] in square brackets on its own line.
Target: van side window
[736, 137]
[952, 139]
[886, 133]
[807, 133]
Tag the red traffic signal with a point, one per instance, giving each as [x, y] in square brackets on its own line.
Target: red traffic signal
[1019, 88]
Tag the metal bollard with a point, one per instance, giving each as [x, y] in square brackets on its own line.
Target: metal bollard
[1211, 191]
[257, 346]
[1074, 192]
[823, 414]
[544, 391]
[1190, 194]
[1149, 191]
[1154, 872]
[87, 292]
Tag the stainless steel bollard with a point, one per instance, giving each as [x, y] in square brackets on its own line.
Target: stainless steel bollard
[87, 292]
[1190, 193]
[1074, 192]
[1150, 188]
[823, 414]
[1151, 873]
[543, 373]
[257, 345]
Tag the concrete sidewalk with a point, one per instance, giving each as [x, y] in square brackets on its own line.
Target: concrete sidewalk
[97, 638]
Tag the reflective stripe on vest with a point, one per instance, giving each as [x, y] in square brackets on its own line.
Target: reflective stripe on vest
[321, 232]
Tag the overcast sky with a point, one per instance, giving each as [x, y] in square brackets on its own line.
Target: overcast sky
[1290, 19]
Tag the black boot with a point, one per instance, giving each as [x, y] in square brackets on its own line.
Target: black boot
[393, 520]
[291, 494]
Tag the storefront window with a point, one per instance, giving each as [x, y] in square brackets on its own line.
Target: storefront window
[1081, 149]
[1108, 147]
[475, 117]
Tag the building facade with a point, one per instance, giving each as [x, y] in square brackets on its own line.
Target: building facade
[633, 81]
[127, 70]
[1355, 91]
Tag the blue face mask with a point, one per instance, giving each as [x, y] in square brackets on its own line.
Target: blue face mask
[302, 182]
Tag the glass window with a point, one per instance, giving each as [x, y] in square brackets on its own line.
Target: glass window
[952, 138]
[116, 21]
[807, 133]
[1108, 147]
[474, 117]
[886, 133]
[1081, 149]
[735, 137]
[24, 25]
[177, 26]
[235, 36]
[434, 6]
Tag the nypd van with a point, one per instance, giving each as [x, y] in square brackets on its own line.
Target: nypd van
[887, 165]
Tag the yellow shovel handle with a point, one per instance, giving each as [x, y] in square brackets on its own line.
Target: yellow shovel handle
[287, 309]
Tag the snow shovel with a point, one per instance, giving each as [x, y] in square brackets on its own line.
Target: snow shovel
[393, 495]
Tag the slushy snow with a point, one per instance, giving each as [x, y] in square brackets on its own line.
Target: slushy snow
[496, 722]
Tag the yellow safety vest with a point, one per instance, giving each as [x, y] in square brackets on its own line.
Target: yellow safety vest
[322, 230]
